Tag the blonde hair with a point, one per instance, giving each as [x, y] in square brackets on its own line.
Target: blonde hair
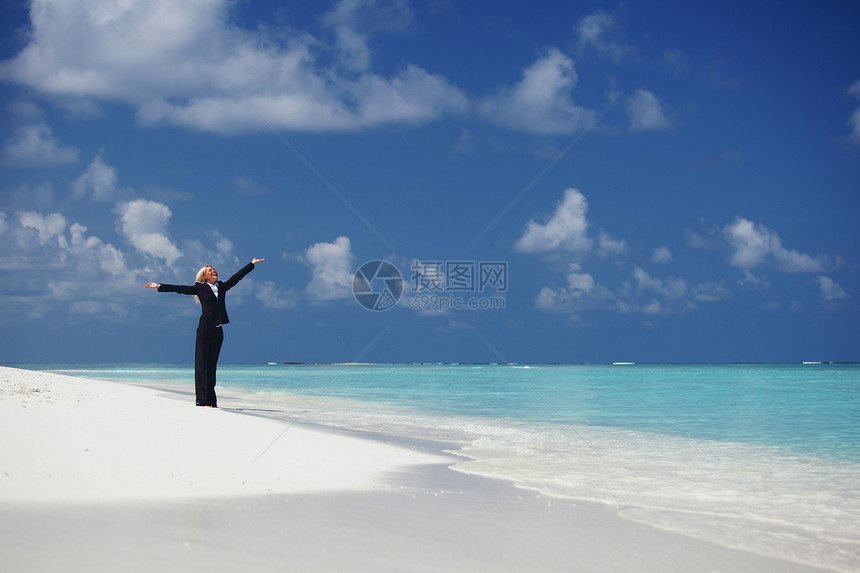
[199, 279]
[200, 273]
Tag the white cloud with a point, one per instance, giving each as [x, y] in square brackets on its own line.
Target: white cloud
[245, 186]
[671, 288]
[52, 265]
[274, 297]
[546, 299]
[709, 292]
[854, 120]
[99, 181]
[412, 95]
[331, 270]
[609, 247]
[353, 51]
[186, 63]
[353, 21]
[196, 253]
[755, 245]
[223, 245]
[646, 112]
[752, 281]
[594, 31]
[103, 255]
[567, 229]
[582, 293]
[541, 102]
[48, 226]
[465, 142]
[661, 256]
[60, 246]
[88, 308]
[831, 291]
[144, 224]
[649, 295]
[578, 281]
[669, 295]
[707, 241]
[35, 146]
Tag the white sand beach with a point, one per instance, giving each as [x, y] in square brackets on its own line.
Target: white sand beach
[102, 476]
[79, 440]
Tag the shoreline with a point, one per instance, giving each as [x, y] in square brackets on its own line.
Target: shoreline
[384, 504]
[116, 441]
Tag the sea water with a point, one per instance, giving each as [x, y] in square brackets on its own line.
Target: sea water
[764, 458]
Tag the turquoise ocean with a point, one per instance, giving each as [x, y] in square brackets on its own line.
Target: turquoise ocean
[759, 457]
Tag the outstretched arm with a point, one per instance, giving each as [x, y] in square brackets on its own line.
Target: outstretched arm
[181, 289]
[240, 274]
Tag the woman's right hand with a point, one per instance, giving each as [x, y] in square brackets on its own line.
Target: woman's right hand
[151, 285]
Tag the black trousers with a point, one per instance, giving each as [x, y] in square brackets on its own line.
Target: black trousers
[206, 353]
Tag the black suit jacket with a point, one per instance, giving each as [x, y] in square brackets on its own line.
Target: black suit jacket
[214, 308]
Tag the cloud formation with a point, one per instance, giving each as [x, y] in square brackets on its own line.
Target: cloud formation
[331, 270]
[831, 291]
[353, 22]
[755, 245]
[649, 295]
[245, 186]
[581, 293]
[185, 63]
[567, 229]
[662, 255]
[98, 182]
[595, 33]
[541, 102]
[188, 64]
[52, 267]
[144, 224]
[47, 226]
[565, 236]
[36, 146]
[672, 288]
[272, 296]
[646, 112]
[609, 247]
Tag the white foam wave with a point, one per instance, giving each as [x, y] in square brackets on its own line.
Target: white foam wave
[759, 499]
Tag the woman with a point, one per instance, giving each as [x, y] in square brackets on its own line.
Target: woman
[211, 294]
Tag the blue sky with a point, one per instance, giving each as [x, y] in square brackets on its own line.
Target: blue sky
[662, 181]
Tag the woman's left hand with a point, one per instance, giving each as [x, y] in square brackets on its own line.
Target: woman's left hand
[255, 261]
